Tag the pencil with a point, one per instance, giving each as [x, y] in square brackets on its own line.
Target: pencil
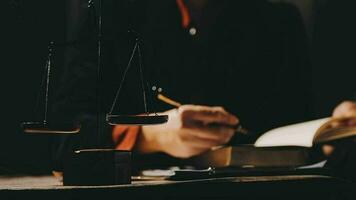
[168, 100]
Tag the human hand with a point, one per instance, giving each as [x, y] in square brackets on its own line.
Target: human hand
[343, 110]
[346, 109]
[190, 130]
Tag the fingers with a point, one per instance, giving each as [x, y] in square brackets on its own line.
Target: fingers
[192, 141]
[207, 115]
[220, 134]
[190, 144]
[345, 109]
[190, 131]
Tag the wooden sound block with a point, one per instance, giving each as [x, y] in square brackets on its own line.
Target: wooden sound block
[97, 167]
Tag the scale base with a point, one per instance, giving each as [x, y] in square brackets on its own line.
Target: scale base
[89, 167]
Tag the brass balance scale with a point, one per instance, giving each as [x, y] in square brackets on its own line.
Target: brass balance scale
[111, 166]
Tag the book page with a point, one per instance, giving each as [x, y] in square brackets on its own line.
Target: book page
[300, 134]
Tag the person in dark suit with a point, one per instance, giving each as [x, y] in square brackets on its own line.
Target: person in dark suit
[244, 61]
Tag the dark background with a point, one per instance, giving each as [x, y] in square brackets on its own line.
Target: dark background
[28, 26]
[26, 29]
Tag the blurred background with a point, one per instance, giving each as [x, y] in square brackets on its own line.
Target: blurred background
[28, 26]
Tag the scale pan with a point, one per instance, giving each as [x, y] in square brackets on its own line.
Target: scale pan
[50, 128]
[136, 119]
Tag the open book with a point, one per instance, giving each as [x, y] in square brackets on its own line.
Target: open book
[309, 133]
[288, 146]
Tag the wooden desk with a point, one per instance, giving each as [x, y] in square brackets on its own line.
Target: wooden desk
[265, 187]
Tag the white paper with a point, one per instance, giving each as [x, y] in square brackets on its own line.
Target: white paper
[301, 134]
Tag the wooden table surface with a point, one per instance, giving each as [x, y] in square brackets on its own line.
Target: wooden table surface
[253, 187]
[52, 183]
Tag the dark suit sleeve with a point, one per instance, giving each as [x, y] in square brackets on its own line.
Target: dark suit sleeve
[295, 102]
[297, 48]
[76, 98]
[284, 70]
[76, 93]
